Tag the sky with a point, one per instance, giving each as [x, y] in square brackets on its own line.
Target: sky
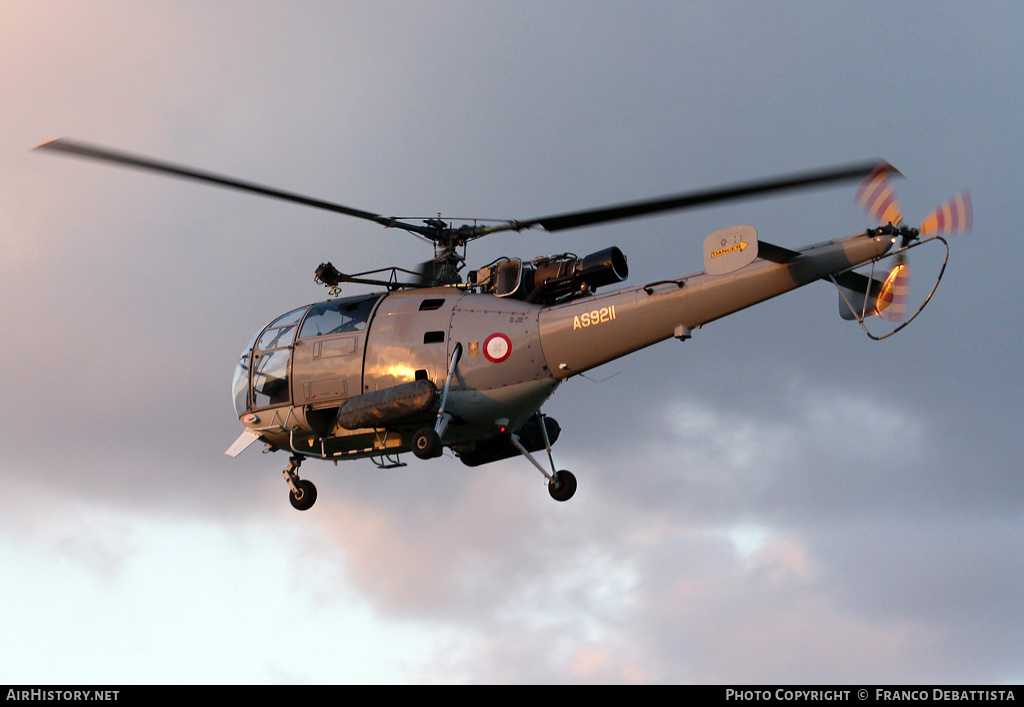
[779, 499]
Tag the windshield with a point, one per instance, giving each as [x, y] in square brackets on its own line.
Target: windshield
[271, 350]
[240, 382]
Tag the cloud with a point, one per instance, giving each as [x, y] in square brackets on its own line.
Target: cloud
[717, 572]
[782, 501]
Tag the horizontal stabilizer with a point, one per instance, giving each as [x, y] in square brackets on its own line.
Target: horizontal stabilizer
[775, 253]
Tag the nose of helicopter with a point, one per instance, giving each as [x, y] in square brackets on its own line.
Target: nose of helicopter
[264, 361]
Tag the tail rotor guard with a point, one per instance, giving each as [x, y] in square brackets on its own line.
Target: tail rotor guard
[862, 296]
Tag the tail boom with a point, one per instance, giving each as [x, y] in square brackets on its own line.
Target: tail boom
[592, 331]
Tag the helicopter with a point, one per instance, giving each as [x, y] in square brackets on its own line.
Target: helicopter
[435, 360]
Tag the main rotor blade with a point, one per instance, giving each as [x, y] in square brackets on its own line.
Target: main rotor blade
[80, 149]
[634, 209]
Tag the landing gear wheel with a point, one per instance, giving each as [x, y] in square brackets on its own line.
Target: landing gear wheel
[426, 444]
[563, 487]
[306, 496]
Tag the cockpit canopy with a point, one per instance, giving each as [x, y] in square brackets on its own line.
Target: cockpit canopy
[261, 375]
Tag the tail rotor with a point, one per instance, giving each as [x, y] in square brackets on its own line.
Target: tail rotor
[892, 300]
[877, 197]
[953, 216]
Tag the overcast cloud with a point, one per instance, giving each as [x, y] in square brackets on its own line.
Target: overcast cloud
[779, 499]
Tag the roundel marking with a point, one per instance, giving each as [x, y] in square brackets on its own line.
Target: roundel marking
[497, 347]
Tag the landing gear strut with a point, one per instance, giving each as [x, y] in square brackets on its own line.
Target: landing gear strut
[561, 484]
[426, 443]
[302, 493]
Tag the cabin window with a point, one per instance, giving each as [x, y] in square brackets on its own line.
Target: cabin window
[433, 337]
[338, 316]
[292, 317]
[276, 338]
[270, 379]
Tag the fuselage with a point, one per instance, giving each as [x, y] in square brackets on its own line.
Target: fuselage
[299, 370]
[291, 383]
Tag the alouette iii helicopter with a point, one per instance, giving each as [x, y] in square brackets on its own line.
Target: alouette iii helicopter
[434, 360]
